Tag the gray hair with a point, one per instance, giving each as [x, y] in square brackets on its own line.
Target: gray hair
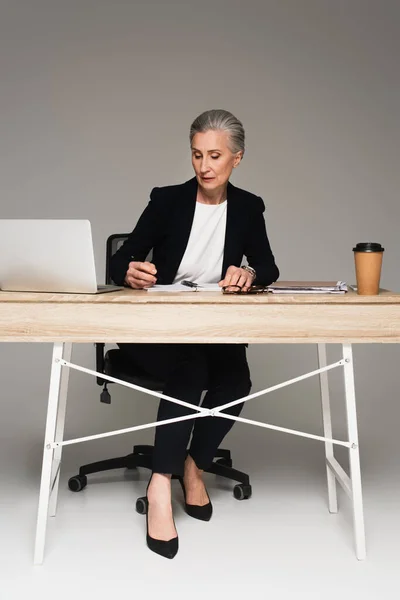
[219, 119]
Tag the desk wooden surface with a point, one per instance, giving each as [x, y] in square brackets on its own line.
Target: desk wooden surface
[199, 317]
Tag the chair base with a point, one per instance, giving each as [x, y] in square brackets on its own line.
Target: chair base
[142, 457]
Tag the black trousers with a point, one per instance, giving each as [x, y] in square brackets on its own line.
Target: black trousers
[187, 370]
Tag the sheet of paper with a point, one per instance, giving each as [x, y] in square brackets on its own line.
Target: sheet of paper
[308, 287]
[178, 287]
[307, 291]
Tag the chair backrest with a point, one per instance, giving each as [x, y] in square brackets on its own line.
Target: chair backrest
[114, 242]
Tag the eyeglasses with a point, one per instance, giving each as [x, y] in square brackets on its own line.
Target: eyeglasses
[237, 289]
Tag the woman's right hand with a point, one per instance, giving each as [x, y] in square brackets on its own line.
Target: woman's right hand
[141, 275]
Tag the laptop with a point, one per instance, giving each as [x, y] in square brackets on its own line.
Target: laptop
[48, 255]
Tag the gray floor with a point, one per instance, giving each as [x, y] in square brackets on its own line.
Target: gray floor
[282, 543]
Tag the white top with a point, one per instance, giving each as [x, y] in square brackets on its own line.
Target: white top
[202, 261]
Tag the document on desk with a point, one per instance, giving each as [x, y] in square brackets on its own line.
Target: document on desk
[308, 287]
[178, 287]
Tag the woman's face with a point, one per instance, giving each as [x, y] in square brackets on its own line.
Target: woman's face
[212, 159]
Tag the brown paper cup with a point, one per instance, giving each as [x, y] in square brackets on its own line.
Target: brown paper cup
[368, 262]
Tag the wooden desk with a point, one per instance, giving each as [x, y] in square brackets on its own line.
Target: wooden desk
[195, 317]
[139, 316]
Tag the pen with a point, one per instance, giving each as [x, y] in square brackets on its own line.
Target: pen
[190, 283]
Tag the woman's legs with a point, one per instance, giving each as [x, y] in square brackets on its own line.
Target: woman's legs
[184, 369]
[186, 381]
[229, 379]
[187, 370]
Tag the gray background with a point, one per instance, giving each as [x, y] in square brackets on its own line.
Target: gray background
[96, 102]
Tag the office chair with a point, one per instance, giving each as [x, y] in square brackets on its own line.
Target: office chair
[114, 363]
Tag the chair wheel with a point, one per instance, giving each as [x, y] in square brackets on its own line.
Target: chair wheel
[142, 504]
[77, 483]
[242, 491]
[225, 462]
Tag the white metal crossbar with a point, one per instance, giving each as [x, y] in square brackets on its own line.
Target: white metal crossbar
[202, 412]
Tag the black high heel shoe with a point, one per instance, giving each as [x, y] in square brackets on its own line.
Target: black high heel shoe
[167, 549]
[203, 513]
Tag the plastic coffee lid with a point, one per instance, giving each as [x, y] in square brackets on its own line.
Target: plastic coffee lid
[368, 247]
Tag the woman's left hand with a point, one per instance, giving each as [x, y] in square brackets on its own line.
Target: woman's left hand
[237, 276]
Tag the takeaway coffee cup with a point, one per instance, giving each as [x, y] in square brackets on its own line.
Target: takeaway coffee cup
[368, 262]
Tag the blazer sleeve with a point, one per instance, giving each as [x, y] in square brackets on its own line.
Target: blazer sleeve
[142, 239]
[258, 250]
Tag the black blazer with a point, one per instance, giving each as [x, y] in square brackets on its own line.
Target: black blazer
[165, 225]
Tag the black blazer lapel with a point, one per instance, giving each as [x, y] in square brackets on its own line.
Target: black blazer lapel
[183, 217]
[234, 225]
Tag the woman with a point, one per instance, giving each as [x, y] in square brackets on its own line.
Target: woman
[199, 230]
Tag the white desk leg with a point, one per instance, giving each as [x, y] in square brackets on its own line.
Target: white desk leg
[45, 482]
[327, 423]
[62, 406]
[354, 454]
